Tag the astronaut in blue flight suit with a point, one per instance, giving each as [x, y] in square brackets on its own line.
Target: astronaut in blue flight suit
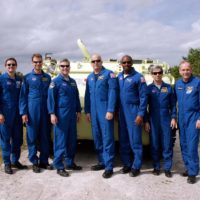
[11, 132]
[33, 108]
[133, 103]
[100, 101]
[187, 92]
[160, 120]
[65, 110]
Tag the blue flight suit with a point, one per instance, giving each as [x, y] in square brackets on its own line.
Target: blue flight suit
[161, 110]
[133, 103]
[100, 98]
[11, 131]
[188, 96]
[64, 102]
[33, 102]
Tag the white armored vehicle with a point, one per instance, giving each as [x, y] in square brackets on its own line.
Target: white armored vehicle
[80, 70]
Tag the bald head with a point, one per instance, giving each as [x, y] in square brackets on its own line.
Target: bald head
[96, 57]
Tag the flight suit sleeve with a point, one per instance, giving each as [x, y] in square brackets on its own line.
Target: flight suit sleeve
[23, 98]
[142, 89]
[173, 104]
[78, 103]
[146, 114]
[87, 98]
[112, 92]
[52, 98]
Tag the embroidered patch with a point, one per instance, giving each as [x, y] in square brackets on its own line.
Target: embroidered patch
[189, 89]
[9, 83]
[129, 80]
[52, 85]
[179, 88]
[153, 91]
[44, 79]
[34, 79]
[164, 90]
[142, 79]
[112, 75]
[73, 84]
[100, 77]
[18, 84]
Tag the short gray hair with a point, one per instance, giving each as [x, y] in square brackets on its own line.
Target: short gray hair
[153, 67]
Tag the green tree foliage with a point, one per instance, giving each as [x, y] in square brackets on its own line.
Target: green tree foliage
[194, 58]
[175, 72]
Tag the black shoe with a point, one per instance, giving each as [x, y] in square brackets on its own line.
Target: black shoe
[18, 165]
[191, 179]
[134, 172]
[168, 173]
[156, 172]
[107, 173]
[73, 167]
[8, 169]
[62, 172]
[46, 166]
[185, 173]
[125, 170]
[97, 167]
[36, 168]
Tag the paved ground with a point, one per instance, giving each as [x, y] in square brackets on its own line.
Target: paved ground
[87, 184]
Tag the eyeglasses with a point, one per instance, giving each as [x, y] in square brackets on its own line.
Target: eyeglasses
[97, 61]
[13, 65]
[157, 73]
[63, 66]
[127, 62]
[37, 62]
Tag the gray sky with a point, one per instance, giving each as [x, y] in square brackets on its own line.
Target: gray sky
[156, 29]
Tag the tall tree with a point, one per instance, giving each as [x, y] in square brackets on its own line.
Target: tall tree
[194, 58]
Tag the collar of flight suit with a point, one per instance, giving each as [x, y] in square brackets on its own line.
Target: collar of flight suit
[63, 78]
[132, 72]
[190, 79]
[33, 72]
[101, 72]
[7, 76]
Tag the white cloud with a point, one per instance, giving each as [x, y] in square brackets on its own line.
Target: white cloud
[110, 27]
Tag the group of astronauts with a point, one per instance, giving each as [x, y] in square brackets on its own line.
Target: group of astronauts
[38, 102]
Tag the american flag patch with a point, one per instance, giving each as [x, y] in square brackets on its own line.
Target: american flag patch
[142, 80]
[112, 75]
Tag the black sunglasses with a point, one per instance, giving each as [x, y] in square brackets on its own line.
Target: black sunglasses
[63, 66]
[157, 73]
[127, 62]
[93, 61]
[13, 65]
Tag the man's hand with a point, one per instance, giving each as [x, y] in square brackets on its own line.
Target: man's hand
[54, 119]
[25, 119]
[2, 119]
[138, 120]
[88, 118]
[173, 124]
[198, 124]
[147, 127]
[78, 116]
[109, 116]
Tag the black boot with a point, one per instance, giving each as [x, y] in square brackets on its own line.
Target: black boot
[8, 169]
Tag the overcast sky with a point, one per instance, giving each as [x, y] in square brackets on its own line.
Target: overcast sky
[156, 29]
